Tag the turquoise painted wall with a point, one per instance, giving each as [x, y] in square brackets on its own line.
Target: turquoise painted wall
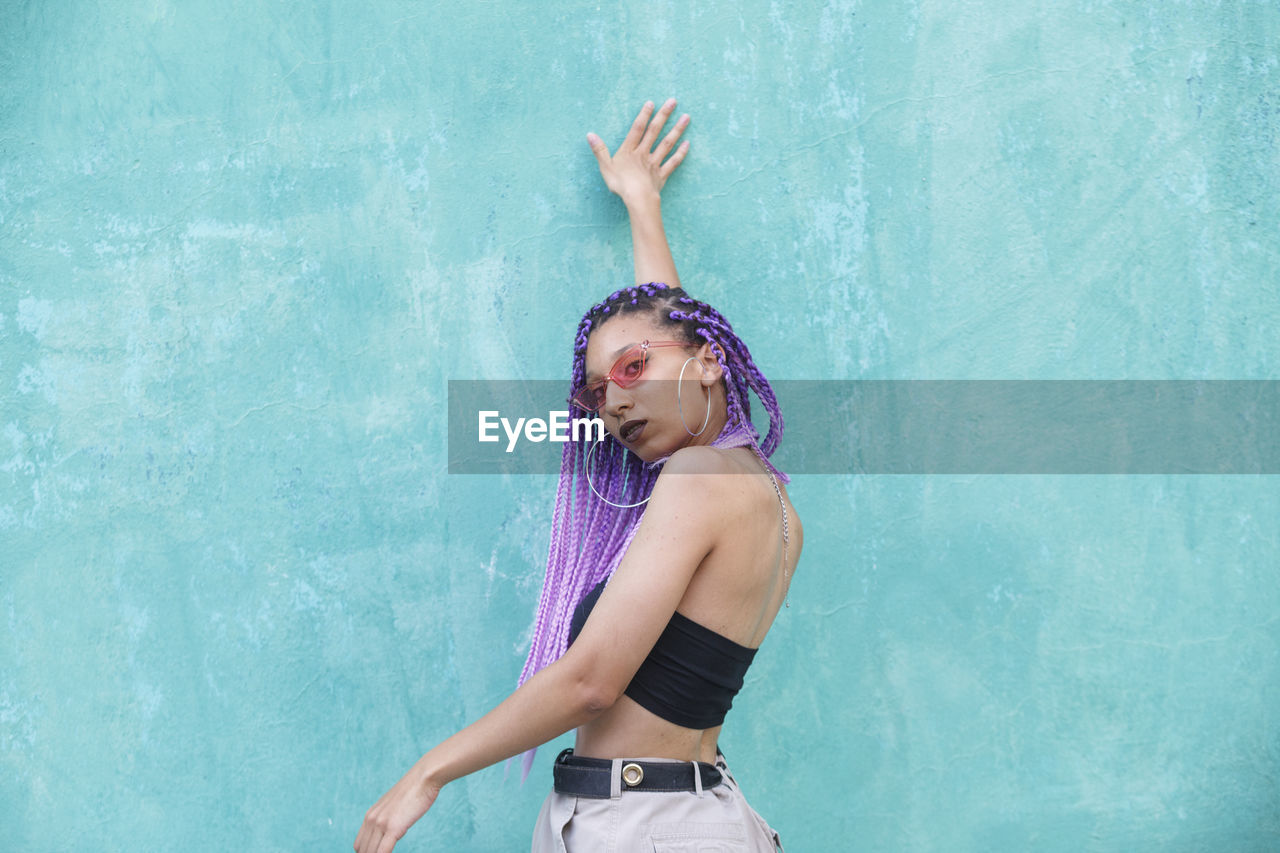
[244, 246]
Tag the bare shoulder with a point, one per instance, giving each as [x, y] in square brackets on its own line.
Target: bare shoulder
[729, 483]
[700, 460]
[693, 480]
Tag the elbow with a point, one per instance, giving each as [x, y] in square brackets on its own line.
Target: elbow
[587, 683]
[595, 696]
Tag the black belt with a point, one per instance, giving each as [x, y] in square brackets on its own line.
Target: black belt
[593, 777]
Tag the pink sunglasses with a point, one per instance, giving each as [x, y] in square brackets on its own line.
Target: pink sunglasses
[625, 372]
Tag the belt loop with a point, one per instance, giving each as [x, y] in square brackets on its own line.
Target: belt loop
[615, 779]
[697, 778]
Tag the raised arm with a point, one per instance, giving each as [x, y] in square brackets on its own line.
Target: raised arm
[636, 172]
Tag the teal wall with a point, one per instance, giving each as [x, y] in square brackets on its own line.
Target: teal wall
[244, 246]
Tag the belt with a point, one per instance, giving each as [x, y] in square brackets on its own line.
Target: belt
[602, 778]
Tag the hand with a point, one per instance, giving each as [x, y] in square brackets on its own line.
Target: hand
[636, 171]
[398, 809]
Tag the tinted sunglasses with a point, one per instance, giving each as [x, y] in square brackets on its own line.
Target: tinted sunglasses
[625, 372]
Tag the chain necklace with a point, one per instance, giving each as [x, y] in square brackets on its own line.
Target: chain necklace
[786, 535]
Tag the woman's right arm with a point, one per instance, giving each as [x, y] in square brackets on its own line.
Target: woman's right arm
[687, 506]
[636, 172]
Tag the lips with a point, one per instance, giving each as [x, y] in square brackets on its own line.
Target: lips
[630, 430]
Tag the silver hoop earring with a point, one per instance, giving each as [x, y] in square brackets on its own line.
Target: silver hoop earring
[679, 386]
[586, 469]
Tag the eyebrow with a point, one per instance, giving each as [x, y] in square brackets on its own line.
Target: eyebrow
[619, 351]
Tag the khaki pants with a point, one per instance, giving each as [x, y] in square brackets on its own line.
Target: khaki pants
[718, 820]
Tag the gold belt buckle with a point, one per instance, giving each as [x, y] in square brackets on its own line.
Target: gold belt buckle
[632, 774]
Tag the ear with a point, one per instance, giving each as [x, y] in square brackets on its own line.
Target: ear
[711, 370]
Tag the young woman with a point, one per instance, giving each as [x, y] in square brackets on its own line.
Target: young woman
[673, 546]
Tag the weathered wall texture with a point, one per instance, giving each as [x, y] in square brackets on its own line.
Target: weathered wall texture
[243, 247]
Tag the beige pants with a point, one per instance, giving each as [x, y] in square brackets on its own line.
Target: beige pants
[718, 820]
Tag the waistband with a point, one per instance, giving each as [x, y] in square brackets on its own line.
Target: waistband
[603, 778]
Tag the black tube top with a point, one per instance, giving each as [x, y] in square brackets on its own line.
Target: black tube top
[690, 677]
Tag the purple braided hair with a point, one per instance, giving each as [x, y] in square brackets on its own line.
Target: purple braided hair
[588, 536]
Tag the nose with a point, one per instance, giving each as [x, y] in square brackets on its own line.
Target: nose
[616, 401]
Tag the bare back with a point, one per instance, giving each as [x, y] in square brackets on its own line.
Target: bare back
[736, 591]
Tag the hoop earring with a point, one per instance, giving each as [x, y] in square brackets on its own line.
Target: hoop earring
[679, 385]
[586, 470]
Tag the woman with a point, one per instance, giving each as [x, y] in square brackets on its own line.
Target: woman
[673, 547]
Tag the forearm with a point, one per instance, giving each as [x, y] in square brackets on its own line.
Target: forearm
[653, 261]
[552, 702]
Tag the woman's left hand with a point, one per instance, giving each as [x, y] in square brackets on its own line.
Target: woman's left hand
[637, 170]
[398, 809]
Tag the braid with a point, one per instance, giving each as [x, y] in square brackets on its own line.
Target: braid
[588, 536]
[702, 322]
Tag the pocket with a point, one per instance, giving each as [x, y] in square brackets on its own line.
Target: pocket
[691, 837]
[548, 833]
[768, 831]
[562, 812]
[763, 837]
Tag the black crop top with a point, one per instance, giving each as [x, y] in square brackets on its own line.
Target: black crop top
[690, 677]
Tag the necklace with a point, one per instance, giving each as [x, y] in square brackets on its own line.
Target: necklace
[786, 535]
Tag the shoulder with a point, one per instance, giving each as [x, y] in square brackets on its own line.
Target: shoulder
[692, 483]
[704, 482]
[699, 460]
[697, 473]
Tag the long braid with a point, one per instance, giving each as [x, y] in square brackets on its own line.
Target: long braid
[588, 536]
[741, 374]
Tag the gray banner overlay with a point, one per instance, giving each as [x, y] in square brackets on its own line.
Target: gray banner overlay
[919, 426]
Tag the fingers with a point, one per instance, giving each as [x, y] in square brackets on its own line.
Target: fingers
[599, 149]
[374, 834]
[365, 841]
[368, 838]
[373, 839]
[636, 166]
[673, 161]
[669, 140]
[655, 126]
[637, 127]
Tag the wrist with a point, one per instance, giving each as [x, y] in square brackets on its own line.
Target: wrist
[430, 776]
[643, 202]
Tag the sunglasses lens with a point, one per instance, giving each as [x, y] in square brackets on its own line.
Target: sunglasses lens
[628, 369]
[590, 397]
[625, 373]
